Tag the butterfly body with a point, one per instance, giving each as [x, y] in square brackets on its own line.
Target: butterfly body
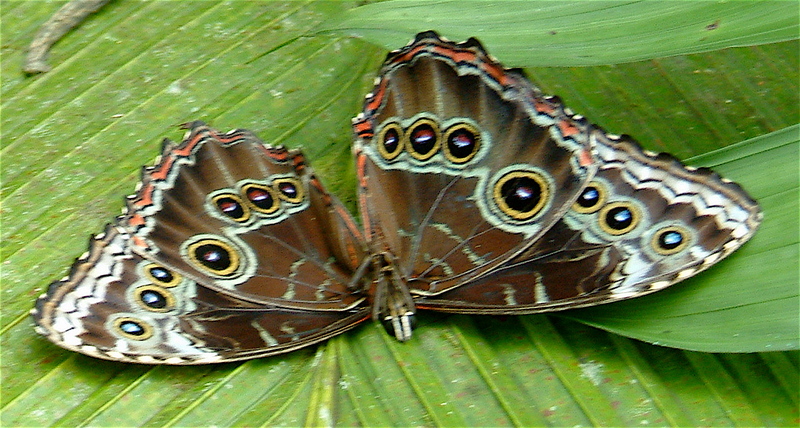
[478, 194]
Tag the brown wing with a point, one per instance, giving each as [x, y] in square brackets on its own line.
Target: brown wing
[230, 249]
[644, 222]
[463, 164]
[120, 306]
[251, 218]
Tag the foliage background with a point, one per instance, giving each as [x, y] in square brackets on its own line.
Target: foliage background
[73, 140]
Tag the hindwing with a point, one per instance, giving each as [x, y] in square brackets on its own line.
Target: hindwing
[643, 223]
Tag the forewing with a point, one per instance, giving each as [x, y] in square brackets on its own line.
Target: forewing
[462, 164]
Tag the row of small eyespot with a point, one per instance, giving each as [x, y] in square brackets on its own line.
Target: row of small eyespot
[262, 198]
[621, 217]
[154, 297]
[460, 141]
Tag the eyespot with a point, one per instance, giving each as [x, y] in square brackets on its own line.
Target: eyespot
[213, 256]
[154, 298]
[423, 139]
[289, 189]
[670, 240]
[618, 218]
[132, 328]
[591, 199]
[521, 194]
[462, 142]
[232, 206]
[390, 141]
[161, 276]
[262, 198]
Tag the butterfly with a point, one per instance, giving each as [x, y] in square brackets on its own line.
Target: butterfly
[478, 194]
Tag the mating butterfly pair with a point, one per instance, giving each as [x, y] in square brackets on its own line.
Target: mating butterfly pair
[478, 195]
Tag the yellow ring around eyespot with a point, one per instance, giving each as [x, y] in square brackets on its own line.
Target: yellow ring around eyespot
[685, 234]
[544, 194]
[148, 330]
[275, 198]
[457, 127]
[169, 297]
[297, 185]
[410, 147]
[635, 213]
[382, 148]
[245, 208]
[176, 277]
[233, 256]
[601, 199]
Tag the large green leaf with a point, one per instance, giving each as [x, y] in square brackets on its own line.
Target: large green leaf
[73, 140]
[549, 34]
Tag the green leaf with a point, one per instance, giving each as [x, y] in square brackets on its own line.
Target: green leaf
[74, 139]
[574, 33]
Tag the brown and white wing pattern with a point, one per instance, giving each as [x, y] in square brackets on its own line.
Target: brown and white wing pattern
[643, 223]
[230, 249]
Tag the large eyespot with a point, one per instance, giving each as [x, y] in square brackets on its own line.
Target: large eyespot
[289, 189]
[161, 276]
[618, 218]
[591, 199]
[214, 256]
[670, 240]
[422, 139]
[461, 143]
[232, 206]
[262, 198]
[521, 194]
[390, 141]
[154, 298]
[132, 328]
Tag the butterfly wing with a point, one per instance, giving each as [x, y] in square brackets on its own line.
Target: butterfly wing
[251, 217]
[462, 163]
[486, 193]
[230, 249]
[645, 222]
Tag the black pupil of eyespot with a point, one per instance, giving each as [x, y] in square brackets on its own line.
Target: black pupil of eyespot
[423, 138]
[288, 189]
[260, 198]
[161, 274]
[589, 197]
[619, 218]
[153, 299]
[213, 256]
[230, 207]
[521, 193]
[391, 140]
[132, 328]
[670, 240]
[461, 143]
